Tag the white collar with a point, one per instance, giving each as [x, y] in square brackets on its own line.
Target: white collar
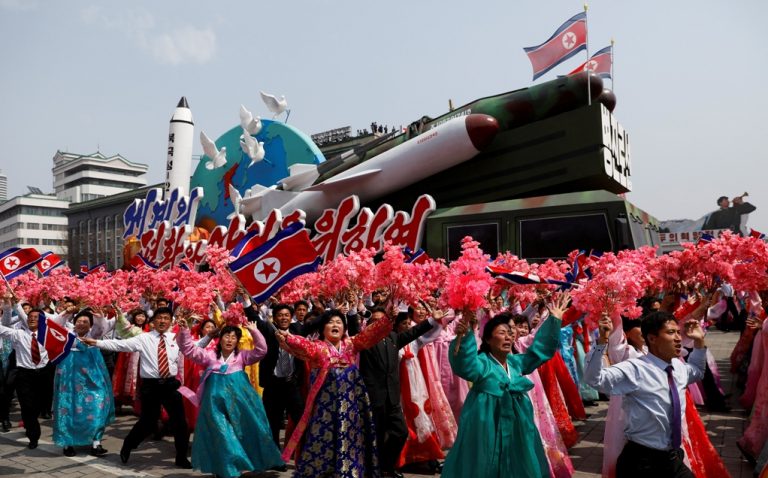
[504, 365]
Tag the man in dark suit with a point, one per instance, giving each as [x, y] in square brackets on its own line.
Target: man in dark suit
[728, 217]
[380, 368]
[280, 374]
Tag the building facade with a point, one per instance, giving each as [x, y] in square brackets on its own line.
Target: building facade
[96, 229]
[34, 220]
[3, 187]
[78, 177]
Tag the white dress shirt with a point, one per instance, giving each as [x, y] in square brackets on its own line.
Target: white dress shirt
[22, 344]
[643, 381]
[146, 344]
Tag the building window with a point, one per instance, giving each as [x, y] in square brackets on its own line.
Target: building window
[33, 241]
[33, 225]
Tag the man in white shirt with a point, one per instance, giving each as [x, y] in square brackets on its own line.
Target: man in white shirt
[653, 389]
[159, 385]
[31, 372]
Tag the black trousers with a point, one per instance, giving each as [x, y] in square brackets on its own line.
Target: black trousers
[391, 434]
[638, 461]
[30, 388]
[7, 386]
[153, 394]
[46, 400]
[281, 396]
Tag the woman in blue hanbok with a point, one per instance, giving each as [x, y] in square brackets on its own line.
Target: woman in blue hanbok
[232, 434]
[83, 402]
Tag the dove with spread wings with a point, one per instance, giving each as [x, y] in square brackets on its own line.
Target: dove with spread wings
[218, 157]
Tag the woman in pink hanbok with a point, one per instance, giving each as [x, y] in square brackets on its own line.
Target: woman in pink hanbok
[454, 387]
[754, 438]
[426, 352]
[560, 465]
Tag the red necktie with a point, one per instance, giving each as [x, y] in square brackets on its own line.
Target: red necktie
[35, 349]
[162, 359]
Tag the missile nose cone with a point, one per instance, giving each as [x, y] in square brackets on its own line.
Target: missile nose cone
[183, 103]
[481, 129]
[608, 98]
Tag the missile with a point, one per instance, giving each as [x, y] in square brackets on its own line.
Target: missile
[511, 109]
[445, 146]
[178, 167]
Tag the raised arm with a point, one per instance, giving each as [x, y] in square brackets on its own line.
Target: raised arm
[697, 360]
[300, 347]
[259, 349]
[465, 362]
[187, 345]
[128, 345]
[547, 339]
[123, 327]
[404, 338]
[373, 334]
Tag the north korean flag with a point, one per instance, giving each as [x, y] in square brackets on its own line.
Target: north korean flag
[418, 257]
[503, 275]
[83, 270]
[263, 270]
[139, 261]
[756, 234]
[567, 41]
[599, 63]
[705, 239]
[48, 262]
[57, 340]
[98, 268]
[17, 261]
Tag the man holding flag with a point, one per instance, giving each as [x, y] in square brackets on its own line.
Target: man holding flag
[31, 359]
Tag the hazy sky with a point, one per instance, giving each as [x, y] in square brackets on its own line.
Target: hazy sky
[690, 78]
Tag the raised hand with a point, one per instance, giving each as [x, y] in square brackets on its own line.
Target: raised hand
[182, 323]
[694, 331]
[281, 335]
[559, 305]
[87, 340]
[605, 325]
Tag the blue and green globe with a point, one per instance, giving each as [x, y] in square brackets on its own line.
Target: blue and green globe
[284, 146]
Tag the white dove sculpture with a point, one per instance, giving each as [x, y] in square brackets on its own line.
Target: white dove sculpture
[236, 198]
[218, 156]
[254, 149]
[276, 106]
[248, 122]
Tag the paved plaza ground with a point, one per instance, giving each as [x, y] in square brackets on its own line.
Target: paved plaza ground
[155, 458]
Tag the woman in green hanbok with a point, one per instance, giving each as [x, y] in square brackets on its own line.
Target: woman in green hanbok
[497, 436]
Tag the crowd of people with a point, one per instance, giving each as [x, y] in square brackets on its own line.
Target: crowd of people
[369, 384]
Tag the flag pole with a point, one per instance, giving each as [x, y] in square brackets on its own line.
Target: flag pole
[10, 289]
[586, 24]
[613, 78]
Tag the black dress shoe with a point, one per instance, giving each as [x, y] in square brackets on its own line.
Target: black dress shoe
[32, 445]
[98, 451]
[6, 426]
[69, 451]
[279, 468]
[45, 415]
[125, 454]
[183, 463]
